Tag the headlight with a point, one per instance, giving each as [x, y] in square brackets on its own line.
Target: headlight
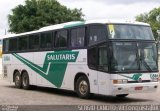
[120, 81]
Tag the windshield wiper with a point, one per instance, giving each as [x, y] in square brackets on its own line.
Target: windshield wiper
[146, 65]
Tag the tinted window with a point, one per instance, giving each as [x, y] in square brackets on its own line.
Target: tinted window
[23, 43]
[77, 37]
[97, 34]
[92, 58]
[130, 32]
[6, 45]
[132, 56]
[33, 42]
[13, 44]
[148, 56]
[124, 56]
[46, 40]
[61, 39]
[103, 60]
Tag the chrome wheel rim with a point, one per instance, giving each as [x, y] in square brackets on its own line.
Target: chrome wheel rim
[83, 87]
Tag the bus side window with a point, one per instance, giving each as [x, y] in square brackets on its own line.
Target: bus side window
[92, 58]
[33, 42]
[5, 45]
[97, 34]
[13, 43]
[102, 58]
[77, 37]
[61, 39]
[23, 43]
[46, 40]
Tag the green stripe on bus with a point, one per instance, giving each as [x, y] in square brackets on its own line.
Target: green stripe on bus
[75, 24]
[54, 66]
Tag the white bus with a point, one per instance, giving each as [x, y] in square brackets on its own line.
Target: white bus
[105, 57]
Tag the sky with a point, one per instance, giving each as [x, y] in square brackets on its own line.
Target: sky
[92, 9]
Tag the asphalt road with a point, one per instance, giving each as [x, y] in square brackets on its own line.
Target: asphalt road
[10, 95]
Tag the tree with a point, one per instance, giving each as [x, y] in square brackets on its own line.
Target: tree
[39, 13]
[153, 18]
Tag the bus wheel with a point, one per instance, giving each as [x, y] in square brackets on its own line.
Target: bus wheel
[122, 95]
[82, 87]
[25, 81]
[18, 80]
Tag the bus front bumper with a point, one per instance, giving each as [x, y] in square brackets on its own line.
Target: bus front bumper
[134, 88]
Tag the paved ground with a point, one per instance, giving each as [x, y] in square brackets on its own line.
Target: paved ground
[47, 96]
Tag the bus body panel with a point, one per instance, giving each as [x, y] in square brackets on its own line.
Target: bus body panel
[134, 88]
[104, 83]
[38, 58]
[136, 83]
[100, 82]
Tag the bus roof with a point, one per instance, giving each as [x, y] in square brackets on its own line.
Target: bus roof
[77, 23]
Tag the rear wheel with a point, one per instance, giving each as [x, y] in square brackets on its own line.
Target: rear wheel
[83, 87]
[25, 81]
[18, 80]
[122, 95]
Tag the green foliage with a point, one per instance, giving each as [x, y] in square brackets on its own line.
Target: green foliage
[151, 18]
[39, 13]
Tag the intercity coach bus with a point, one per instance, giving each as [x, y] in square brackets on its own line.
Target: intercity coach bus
[107, 57]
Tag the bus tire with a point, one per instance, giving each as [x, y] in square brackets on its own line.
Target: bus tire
[83, 87]
[25, 81]
[18, 80]
[122, 95]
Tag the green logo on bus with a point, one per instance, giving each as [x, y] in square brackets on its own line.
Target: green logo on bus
[54, 66]
[134, 77]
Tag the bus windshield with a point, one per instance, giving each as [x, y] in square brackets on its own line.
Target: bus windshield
[130, 32]
[132, 56]
[148, 56]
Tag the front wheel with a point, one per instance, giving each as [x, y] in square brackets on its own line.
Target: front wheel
[25, 81]
[83, 87]
[122, 95]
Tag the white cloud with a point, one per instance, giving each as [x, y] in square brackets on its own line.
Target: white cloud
[94, 9]
[5, 9]
[113, 2]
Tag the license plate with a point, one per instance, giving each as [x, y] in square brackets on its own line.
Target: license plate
[139, 88]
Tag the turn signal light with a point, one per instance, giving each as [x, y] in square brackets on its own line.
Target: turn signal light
[115, 81]
[120, 81]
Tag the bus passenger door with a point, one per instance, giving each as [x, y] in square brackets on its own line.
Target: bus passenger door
[92, 64]
[102, 67]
